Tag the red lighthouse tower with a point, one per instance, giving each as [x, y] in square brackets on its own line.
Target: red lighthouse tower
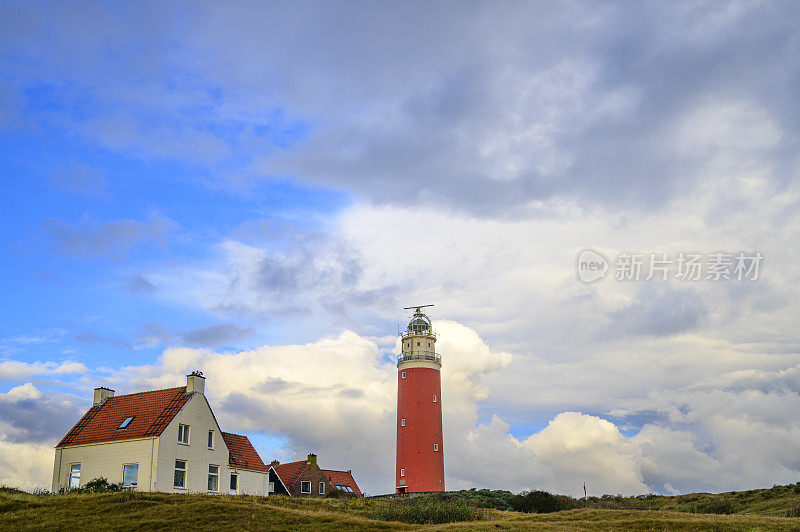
[420, 454]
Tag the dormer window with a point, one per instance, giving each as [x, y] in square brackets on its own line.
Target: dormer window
[125, 423]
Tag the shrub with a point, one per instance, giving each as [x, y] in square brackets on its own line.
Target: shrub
[484, 498]
[541, 502]
[98, 485]
[794, 511]
[719, 506]
[423, 510]
[335, 493]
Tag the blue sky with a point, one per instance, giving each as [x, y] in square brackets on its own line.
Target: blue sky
[258, 190]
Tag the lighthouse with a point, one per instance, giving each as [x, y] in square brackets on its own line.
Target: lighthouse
[420, 450]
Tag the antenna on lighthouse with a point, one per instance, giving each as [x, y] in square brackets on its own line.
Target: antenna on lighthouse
[417, 307]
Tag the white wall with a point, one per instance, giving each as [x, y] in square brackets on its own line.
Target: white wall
[105, 460]
[197, 414]
[251, 482]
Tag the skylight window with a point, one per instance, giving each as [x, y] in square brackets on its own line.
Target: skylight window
[125, 423]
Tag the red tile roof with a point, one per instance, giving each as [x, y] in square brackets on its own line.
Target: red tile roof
[242, 452]
[151, 412]
[290, 472]
[342, 478]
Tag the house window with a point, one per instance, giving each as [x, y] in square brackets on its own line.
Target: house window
[402, 472]
[125, 423]
[434, 398]
[130, 474]
[305, 487]
[322, 488]
[404, 374]
[183, 434]
[435, 446]
[210, 439]
[271, 487]
[180, 474]
[403, 422]
[74, 476]
[417, 344]
[234, 482]
[213, 478]
[345, 488]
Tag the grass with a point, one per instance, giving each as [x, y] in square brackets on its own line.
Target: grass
[466, 510]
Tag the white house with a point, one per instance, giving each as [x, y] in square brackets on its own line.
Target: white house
[161, 440]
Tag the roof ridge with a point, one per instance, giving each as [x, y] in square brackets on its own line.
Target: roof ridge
[147, 391]
[295, 462]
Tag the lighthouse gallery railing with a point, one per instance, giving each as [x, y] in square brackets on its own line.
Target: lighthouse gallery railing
[423, 355]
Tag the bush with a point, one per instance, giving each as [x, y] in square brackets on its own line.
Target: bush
[422, 510]
[97, 485]
[335, 493]
[484, 498]
[794, 511]
[541, 502]
[719, 506]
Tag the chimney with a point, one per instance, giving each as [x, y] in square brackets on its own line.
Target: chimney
[195, 382]
[101, 394]
[312, 459]
[274, 463]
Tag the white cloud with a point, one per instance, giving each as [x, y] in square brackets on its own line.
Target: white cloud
[26, 465]
[16, 370]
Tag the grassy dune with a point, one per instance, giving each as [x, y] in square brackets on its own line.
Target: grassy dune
[757, 510]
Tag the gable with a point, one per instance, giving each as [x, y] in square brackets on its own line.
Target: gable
[151, 411]
[291, 472]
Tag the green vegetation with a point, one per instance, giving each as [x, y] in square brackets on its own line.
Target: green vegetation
[427, 509]
[776, 508]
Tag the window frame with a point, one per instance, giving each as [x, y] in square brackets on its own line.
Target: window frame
[215, 477]
[434, 398]
[211, 439]
[230, 486]
[404, 374]
[302, 484]
[184, 430]
[402, 472]
[126, 423]
[134, 484]
[321, 488]
[72, 472]
[403, 422]
[436, 447]
[185, 471]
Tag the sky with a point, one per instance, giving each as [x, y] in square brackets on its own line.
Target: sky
[256, 190]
